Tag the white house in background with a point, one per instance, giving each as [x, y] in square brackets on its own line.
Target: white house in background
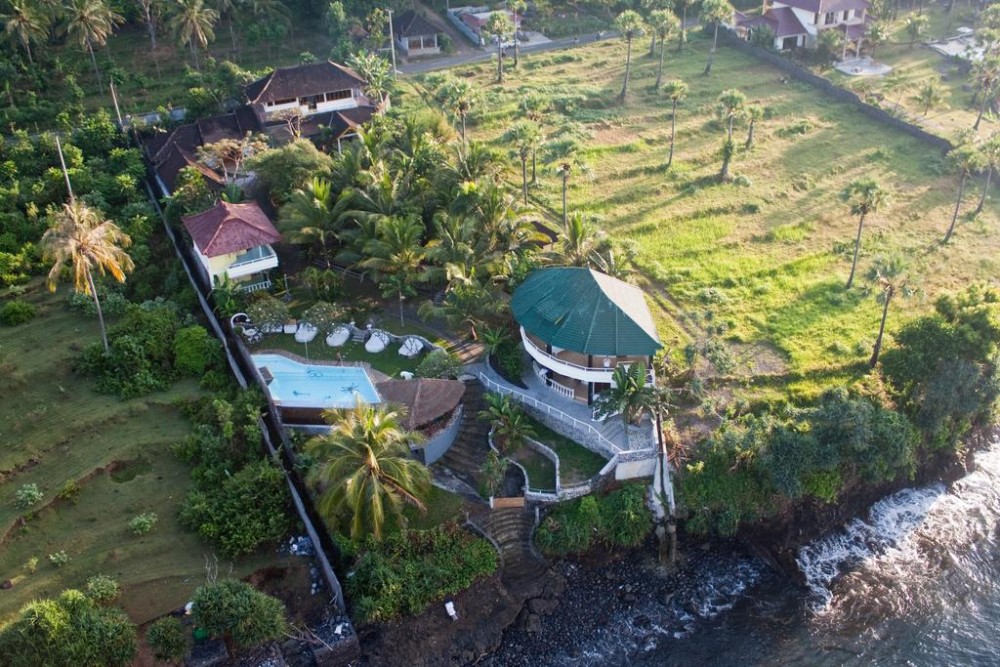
[309, 89]
[797, 23]
[233, 242]
[415, 35]
[579, 325]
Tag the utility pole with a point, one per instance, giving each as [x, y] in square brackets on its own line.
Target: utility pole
[392, 43]
[62, 162]
[118, 111]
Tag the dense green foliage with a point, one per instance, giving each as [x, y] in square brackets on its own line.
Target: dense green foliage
[406, 571]
[439, 364]
[239, 613]
[16, 312]
[68, 631]
[167, 639]
[617, 519]
[102, 589]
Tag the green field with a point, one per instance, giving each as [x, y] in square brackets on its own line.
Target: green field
[56, 428]
[752, 270]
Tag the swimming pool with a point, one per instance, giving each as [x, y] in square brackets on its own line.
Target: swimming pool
[299, 385]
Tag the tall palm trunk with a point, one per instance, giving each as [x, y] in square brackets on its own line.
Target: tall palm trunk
[728, 149]
[958, 204]
[534, 171]
[517, 50]
[659, 71]
[749, 143]
[881, 328]
[100, 313]
[652, 45]
[462, 116]
[683, 33]
[93, 60]
[524, 176]
[729, 128]
[986, 190]
[628, 67]
[857, 248]
[565, 178]
[673, 128]
[711, 53]
[27, 47]
[499, 60]
[194, 54]
[982, 110]
[401, 323]
[232, 34]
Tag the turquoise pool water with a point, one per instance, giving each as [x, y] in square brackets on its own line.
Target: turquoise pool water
[298, 385]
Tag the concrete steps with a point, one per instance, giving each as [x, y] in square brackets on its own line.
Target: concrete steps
[511, 529]
[467, 454]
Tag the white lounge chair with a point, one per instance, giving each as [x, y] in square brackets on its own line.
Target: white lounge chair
[252, 334]
[411, 347]
[305, 333]
[338, 337]
[377, 342]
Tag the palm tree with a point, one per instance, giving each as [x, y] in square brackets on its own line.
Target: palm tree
[990, 153]
[682, 6]
[516, 8]
[460, 96]
[510, 425]
[25, 24]
[929, 95]
[675, 91]
[576, 244]
[79, 237]
[311, 215]
[876, 34]
[715, 12]
[629, 394]
[754, 112]
[364, 469]
[499, 27]
[731, 103]
[629, 25]
[986, 73]
[227, 9]
[663, 23]
[965, 160]
[915, 28]
[523, 137]
[397, 248]
[887, 276]
[193, 23]
[377, 73]
[866, 196]
[90, 23]
[565, 156]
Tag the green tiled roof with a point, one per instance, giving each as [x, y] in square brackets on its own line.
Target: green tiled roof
[579, 309]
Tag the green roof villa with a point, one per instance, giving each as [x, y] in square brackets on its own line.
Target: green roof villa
[578, 325]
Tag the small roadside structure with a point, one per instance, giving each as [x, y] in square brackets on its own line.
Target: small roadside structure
[578, 325]
[470, 21]
[233, 242]
[415, 35]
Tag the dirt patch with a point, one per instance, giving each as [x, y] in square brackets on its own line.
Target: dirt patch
[7, 475]
[291, 583]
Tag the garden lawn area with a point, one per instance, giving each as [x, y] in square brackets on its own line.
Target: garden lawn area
[752, 271]
[541, 471]
[57, 429]
[576, 463]
[442, 507]
[916, 66]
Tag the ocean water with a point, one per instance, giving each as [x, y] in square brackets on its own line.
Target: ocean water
[916, 582]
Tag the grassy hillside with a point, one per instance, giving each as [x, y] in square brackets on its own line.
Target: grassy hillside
[55, 430]
[752, 271]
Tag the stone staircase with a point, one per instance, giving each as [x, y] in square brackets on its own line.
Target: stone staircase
[523, 573]
[467, 454]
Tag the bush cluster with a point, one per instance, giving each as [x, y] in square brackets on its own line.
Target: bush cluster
[617, 519]
[16, 312]
[405, 572]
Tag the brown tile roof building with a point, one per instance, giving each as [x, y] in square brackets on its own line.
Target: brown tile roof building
[286, 83]
[412, 24]
[426, 399]
[230, 228]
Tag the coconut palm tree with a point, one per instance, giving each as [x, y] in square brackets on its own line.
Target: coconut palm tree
[964, 160]
[985, 74]
[990, 153]
[524, 136]
[715, 12]
[876, 34]
[676, 91]
[364, 469]
[499, 27]
[311, 215]
[461, 97]
[25, 24]
[754, 112]
[516, 7]
[193, 24]
[866, 197]
[629, 25]
[629, 394]
[887, 277]
[565, 156]
[80, 238]
[663, 24]
[510, 424]
[89, 23]
[228, 9]
[929, 95]
[576, 244]
[397, 248]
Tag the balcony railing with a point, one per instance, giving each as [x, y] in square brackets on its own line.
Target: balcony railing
[256, 259]
[573, 370]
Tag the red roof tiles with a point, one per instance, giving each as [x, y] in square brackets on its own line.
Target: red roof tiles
[230, 228]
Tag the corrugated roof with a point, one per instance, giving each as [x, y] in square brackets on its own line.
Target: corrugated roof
[585, 311]
[229, 228]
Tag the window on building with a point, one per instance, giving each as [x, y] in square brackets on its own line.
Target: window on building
[339, 95]
[831, 17]
[278, 103]
[847, 15]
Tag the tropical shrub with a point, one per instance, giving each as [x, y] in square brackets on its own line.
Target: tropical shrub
[405, 572]
[618, 519]
[238, 613]
[439, 364]
[195, 350]
[17, 312]
[26, 496]
[167, 639]
[143, 523]
[102, 589]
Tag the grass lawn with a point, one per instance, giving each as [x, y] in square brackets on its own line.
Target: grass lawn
[576, 463]
[57, 429]
[751, 271]
[541, 471]
[442, 507]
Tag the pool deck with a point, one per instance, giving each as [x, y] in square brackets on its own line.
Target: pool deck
[375, 375]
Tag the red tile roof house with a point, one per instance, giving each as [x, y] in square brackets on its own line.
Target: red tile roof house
[797, 23]
[320, 94]
[233, 242]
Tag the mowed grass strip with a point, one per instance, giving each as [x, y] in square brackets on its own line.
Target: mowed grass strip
[56, 428]
[761, 260]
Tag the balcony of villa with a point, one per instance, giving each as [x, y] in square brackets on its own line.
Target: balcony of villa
[574, 366]
[252, 261]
